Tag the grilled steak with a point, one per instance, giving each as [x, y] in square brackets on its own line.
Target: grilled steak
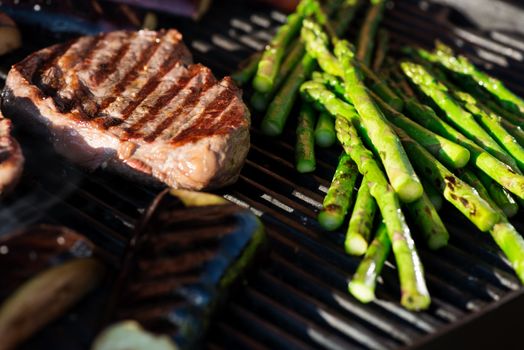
[11, 158]
[133, 102]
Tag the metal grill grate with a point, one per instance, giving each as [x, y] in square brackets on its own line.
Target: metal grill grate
[298, 298]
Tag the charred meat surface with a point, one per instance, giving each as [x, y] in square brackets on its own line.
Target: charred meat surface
[46, 269]
[11, 157]
[187, 252]
[134, 103]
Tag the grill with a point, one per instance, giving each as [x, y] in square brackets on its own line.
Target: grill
[297, 297]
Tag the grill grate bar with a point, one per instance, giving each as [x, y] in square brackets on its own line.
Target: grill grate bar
[266, 331]
[400, 331]
[292, 322]
[320, 313]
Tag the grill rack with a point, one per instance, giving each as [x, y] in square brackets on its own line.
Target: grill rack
[298, 298]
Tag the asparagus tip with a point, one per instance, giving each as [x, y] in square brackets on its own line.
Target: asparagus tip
[361, 291]
[356, 245]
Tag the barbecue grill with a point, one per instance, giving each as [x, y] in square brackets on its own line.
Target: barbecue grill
[297, 297]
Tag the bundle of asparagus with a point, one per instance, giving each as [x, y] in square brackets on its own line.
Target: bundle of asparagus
[465, 139]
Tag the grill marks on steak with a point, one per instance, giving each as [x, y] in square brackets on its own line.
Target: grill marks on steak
[138, 94]
[181, 95]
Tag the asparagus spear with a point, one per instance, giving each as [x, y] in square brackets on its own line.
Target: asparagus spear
[362, 285]
[331, 81]
[382, 89]
[504, 234]
[491, 122]
[414, 293]
[425, 216]
[493, 126]
[509, 116]
[305, 146]
[317, 93]
[247, 69]
[317, 46]
[379, 87]
[461, 65]
[316, 42]
[514, 130]
[381, 50]
[361, 221]
[325, 135]
[339, 195]
[397, 165]
[483, 160]
[269, 65]
[366, 37]
[448, 152]
[278, 111]
[260, 100]
[500, 196]
[461, 195]
[433, 194]
[479, 94]
[460, 118]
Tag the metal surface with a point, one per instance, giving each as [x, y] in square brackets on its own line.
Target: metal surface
[298, 298]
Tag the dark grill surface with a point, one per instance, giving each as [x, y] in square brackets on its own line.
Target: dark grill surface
[298, 297]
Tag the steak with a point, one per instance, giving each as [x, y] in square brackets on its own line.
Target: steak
[11, 158]
[134, 103]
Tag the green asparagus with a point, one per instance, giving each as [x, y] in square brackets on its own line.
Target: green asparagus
[448, 152]
[279, 109]
[361, 222]
[514, 130]
[461, 65]
[493, 126]
[316, 42]
[334, 83]
[247, 69]
[499, 194]
[426, 218]
[461, 195]
[381, 50]
[325, 135]
[362, 285]
[382, 89]
[459, 117]
[269, 65]
[414, 293]
[509, 116]
[483, 160]
[433, 194]
[317, 93]
[339, 195]
[505, 235]
[305, 147]
[260, 100]
[366, 37]
[397, 165]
